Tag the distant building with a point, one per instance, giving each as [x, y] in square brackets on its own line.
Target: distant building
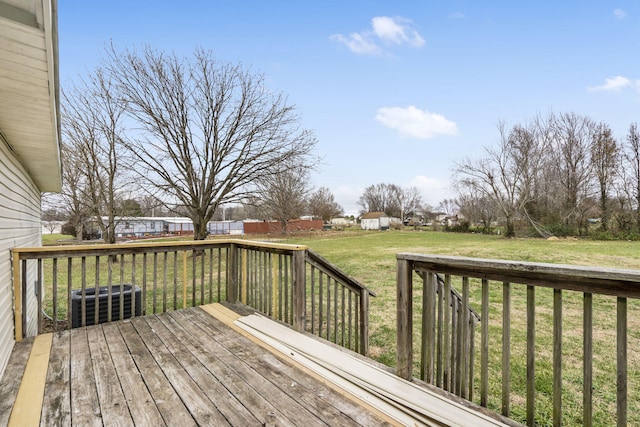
[340, 221]
[375, 221]
[225, 227]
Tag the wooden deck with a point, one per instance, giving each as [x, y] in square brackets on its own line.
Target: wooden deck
[184, 368]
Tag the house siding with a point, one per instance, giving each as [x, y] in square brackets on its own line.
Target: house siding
[19, 226]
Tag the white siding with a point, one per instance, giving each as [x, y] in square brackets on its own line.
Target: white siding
[370, 224]
[19, 226]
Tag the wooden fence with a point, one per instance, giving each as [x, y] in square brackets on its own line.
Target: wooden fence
[82, 285]
[533, 301]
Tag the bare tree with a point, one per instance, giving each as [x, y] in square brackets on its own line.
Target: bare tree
[283, 195]
[448, 206]
[92, 128]
[632, 157]
[409, 200]
[501, 176]
[604, 159]
[381, 198]
[573, 135]
[477, 208]
[529, 147]
[207, 130]
[322, 205]
[51, 218]
[73, 196]
[152, 206]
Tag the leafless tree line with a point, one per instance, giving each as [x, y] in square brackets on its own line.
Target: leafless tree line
[391, 199]
[556, 174]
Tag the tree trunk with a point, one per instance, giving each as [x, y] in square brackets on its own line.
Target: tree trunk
[604, 217]
[510, 231]
[200, 231]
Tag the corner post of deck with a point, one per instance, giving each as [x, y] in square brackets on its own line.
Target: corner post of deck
[232, 277]
[364, 322]
[404, 289]
[299, 290]
[17, 296]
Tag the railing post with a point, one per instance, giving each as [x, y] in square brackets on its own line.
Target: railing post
[17, 296]
[364, 322]
[299, 291]
[404, 349]
[232, 278]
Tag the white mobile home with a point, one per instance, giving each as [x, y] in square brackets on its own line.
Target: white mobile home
[29, 141]
[138, 226]
[226, 227]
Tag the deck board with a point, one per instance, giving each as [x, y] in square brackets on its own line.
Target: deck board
[56, 408]
[150, 396]
[280, 395]
[200, 407]
[226, 402]
[12, 378]
[325, 403]
[182, 368]
[113, 405]
[201, 347]
[85, 407]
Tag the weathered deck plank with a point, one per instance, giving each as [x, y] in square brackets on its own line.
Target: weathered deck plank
[12, 378]
[56, 408]
[324, 402]
[279, 395]
[201, 408]
[261, 407]
[150, 396]
[85, 407]
[113, 405]
[177, 340]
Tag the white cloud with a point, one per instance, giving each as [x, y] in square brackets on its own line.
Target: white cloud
[385, 30]
[413, 122]
[347, 196]
[616, 84]
[396, 31]
[358, 43]
[619, 13]
[433, 190]
[457, 15]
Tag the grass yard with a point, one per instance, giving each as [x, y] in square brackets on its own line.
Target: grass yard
[370, 258]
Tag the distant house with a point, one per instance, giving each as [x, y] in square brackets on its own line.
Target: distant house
[452, 220]
[416, 218]
[375, 221]
[29, 143]
[339, 221]
[439, 217]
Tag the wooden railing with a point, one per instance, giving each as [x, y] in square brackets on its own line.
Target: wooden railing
[82, 285]
[338, 304]
[528, 366]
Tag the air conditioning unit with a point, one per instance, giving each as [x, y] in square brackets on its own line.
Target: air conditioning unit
[118, 292]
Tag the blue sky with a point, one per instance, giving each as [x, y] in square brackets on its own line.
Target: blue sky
[395, 91]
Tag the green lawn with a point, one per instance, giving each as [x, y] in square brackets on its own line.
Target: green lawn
[55, 239]
[370, 258]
